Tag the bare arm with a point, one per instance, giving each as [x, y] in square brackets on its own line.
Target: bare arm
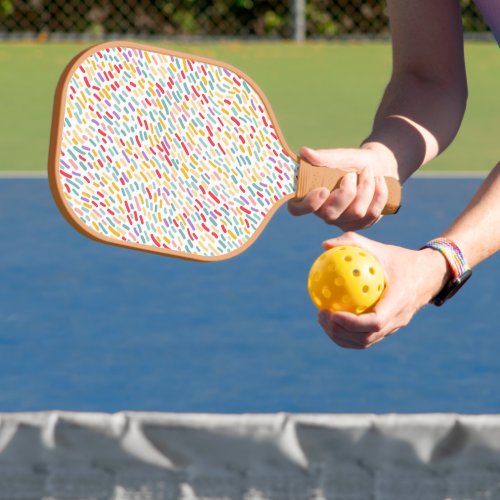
[424, 103]
[418, 117]
[477, 230]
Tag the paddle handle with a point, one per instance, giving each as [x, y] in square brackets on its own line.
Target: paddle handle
[311, 177]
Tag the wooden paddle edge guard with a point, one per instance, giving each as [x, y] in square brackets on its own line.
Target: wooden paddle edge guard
[312, 177]
[57, 129]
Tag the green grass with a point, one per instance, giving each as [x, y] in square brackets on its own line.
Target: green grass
[324, 95]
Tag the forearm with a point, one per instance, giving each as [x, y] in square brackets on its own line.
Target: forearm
[416, 121]
[477, 230]
[424, 103]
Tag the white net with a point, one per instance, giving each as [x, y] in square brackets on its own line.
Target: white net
[156, 456]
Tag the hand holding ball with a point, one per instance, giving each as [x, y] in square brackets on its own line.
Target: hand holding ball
[346, 278]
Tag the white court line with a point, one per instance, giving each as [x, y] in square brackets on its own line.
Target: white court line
[454, 174]
[35, 174]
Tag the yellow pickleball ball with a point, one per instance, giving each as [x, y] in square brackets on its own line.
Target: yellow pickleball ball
[346, 278]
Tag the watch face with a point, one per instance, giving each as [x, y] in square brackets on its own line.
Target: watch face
[451, 288]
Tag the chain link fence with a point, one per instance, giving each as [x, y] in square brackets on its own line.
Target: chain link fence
[284, 19]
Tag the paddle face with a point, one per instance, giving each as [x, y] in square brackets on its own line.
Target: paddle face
[165, 152]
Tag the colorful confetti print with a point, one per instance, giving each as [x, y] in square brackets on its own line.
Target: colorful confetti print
[169, 153]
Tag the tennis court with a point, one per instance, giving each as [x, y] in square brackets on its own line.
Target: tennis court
[86, 327]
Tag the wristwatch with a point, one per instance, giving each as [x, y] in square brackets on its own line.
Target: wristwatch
[460, 270]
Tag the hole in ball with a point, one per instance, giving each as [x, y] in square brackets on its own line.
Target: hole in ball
[346, 299]
[356, 273]
[366, 289]
[317, 301]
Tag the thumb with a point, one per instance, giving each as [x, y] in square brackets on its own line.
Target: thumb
[335, 158]
[348, 238]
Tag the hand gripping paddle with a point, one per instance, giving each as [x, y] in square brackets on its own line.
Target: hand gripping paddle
[172, 153]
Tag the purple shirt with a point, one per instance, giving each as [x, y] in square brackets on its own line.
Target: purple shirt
[490, 9]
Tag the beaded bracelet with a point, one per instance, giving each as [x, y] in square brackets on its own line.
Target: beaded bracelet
[452, 254]
[459, 267]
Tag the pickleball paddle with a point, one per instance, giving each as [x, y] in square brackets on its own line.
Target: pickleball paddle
[172, 153]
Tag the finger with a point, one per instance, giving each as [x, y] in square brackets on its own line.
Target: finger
[362, 340]
[318, 157]
[366, 209]
[375, 209]
[380, 197]
[336, 158]
[339, 199]
[364, 196]
[353, 341]
[340, 335]
[375, 341]
[342, 340]
[362, 324]
[311, 203]
[357, 224]
[343, 343]
[356, 215]
[373, 325]
[348, 238]
[349, 339]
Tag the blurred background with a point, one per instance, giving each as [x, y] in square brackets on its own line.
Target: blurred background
[283, 19]
[323, 64]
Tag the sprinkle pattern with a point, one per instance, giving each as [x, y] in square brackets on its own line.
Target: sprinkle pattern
[168, 152]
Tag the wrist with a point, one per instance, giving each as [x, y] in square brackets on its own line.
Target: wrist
[437, 272]
[388, 165]
[457, 265]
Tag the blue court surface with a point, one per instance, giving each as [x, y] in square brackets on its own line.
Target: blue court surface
[91, 327]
